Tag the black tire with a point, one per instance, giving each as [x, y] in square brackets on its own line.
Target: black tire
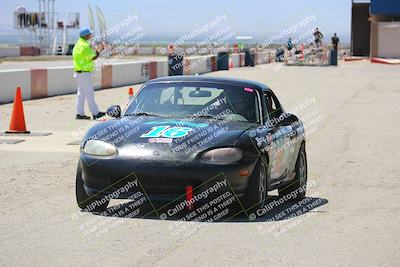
[298, 186]
[86, 202]
[257, 192]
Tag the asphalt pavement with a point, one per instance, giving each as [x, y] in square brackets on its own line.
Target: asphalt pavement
[350, 218]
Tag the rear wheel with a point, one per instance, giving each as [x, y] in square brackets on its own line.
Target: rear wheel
[297, 188]
[257, 193]
[86, 202]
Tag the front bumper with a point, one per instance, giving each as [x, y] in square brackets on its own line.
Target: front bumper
[163, 180]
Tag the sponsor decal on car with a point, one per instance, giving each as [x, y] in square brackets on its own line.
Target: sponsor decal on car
[160, 140]
[249, 90]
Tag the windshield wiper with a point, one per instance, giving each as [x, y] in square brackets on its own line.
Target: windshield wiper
[146, 114]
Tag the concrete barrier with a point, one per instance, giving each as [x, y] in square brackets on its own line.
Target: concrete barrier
[241, 58]
[162, 68]
[122, 74]
[234, 60]
[97, 79]
[213, 63]
[197, 65]
[10, 51]
[60, 81]
[130, 73]
[106, 77]
[39, 84]
[10, 80]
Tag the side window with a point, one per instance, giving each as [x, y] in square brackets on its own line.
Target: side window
[274, 109]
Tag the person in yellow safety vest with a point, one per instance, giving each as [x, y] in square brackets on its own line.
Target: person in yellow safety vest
[83, 58]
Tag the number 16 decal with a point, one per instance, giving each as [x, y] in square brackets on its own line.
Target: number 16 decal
[167, 131]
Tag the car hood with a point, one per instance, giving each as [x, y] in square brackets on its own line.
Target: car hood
[187, 136]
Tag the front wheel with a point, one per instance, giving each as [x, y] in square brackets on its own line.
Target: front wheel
[257, 192]
[297, 188]
[86, 202]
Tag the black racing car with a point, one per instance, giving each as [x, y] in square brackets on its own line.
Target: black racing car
[180, 133]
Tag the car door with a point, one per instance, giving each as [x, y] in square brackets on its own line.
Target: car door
[281, 151]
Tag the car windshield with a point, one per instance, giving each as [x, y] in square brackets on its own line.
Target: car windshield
[195, 99]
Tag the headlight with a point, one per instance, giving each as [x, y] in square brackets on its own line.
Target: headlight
[223, 155]
[99, 148]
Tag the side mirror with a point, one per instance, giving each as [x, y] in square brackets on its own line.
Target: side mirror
[289, 119]
[114, 111]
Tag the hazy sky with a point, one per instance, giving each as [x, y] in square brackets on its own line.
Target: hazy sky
[171, 17]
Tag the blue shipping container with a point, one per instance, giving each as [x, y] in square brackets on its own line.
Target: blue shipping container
[385, 7]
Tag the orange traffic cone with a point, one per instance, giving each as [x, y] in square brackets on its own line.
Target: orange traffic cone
[130, 93]
[231, 65]
[17, 123]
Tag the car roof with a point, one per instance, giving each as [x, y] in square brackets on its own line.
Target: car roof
[201, 78]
